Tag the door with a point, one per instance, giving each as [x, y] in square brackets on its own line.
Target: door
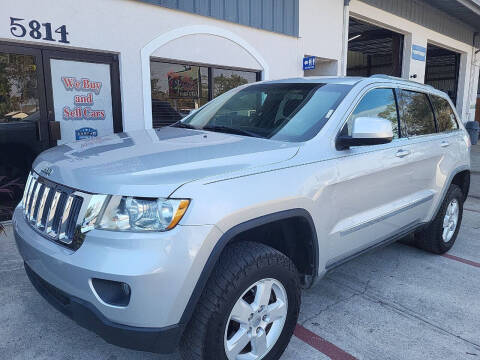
[83, 95]
[23, 120]
[373, 190]
[50, 97]
[426, 150]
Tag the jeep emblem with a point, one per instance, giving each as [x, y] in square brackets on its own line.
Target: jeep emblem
[46, 171]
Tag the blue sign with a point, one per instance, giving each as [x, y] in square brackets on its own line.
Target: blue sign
[419, 52]
[309, 63]
[85, 133]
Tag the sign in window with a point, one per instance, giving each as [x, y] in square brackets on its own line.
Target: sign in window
[82, 98]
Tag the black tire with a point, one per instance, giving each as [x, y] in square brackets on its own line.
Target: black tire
[240, 266]
[430, 238]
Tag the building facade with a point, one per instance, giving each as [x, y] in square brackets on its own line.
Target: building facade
[71, 70]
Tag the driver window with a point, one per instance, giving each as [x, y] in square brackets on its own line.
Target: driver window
[379, 103]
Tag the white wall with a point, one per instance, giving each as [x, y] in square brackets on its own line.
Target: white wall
[127, 26]
[321, 28]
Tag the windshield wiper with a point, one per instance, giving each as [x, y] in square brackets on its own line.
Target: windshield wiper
[183, 125]
[229, 130]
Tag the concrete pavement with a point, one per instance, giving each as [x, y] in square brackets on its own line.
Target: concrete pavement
[394, 303]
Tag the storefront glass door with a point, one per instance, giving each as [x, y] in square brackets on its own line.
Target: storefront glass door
[47, 98]
[23, 127]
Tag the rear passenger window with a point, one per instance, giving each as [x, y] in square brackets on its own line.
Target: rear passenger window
[446, 119]
[416, 113]
[378, 103]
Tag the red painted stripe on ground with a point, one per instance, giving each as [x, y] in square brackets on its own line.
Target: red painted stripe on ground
[320, 344]
[462, 260]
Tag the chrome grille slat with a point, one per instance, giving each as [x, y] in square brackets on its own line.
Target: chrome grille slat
[29, 196]
[41, 208]
[27, 187]
[54, 210]
[64, 219]
[34, 200]
[51, 215]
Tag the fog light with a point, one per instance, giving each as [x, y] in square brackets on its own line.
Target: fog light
[112, 292]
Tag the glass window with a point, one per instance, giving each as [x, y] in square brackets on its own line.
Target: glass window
[280, 111]
[18, 88]
[446, 119]
[176, 91]
[378, 103]
[19, 116]
[417, 113]
[224, 80]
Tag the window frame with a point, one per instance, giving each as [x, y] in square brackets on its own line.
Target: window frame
[432, 109]
[210, 68]
[350, 112]
[430, 96]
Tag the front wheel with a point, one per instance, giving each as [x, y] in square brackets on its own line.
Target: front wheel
[249, 308]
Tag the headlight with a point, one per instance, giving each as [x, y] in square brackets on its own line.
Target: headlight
[142, 214]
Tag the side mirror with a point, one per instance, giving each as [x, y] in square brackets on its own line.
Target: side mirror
[367, 131]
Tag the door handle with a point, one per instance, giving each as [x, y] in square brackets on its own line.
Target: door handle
[402, 153]
[445, 144]
[54, 128]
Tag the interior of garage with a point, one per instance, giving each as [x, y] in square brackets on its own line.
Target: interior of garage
[373, 50]
[442, 70]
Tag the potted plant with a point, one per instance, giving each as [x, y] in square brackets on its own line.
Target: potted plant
[7, 190]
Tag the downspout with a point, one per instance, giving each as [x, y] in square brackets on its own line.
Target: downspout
[346, 4]
[471, 91]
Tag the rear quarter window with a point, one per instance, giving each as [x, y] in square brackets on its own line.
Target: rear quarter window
[446, 119]
[417, 113]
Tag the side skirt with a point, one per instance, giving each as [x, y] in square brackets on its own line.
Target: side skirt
[408, 229]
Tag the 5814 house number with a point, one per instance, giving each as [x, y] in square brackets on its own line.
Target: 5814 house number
[36, 30]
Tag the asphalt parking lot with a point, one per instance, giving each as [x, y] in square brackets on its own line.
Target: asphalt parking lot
[394, 303]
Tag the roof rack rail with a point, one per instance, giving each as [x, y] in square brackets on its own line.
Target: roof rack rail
[383, 76]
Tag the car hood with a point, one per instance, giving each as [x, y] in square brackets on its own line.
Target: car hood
[155, 163]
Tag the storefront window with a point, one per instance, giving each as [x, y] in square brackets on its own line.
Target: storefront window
[224, 80]
[178, 89]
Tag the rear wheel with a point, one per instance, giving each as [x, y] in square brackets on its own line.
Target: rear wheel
[249, 308]
[440, 235]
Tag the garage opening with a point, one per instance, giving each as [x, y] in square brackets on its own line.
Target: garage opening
[442, 70]
[373, 50]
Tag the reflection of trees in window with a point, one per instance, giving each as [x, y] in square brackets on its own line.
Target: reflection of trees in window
[390, 113]
[445, 115]
[18, 86]
[417, 113]
[377, 103]
[223, 83]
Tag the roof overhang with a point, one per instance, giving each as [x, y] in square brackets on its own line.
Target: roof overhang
[467, 11]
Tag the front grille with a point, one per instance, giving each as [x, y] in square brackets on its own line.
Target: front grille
[53, 210]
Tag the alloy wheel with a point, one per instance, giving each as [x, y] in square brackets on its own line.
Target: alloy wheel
[256, 321]
[450, 221]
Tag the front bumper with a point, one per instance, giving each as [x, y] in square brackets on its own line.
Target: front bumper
[161, 269]
[158, 340]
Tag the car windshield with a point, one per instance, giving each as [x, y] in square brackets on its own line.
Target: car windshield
[280, 111]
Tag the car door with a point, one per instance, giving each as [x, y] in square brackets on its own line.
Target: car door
[418, 120]
[449, 141]
[372, 191]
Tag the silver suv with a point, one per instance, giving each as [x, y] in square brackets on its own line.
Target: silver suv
[201, 234]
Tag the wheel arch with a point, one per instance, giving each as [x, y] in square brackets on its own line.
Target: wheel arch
[461, 177]
[237, 232]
